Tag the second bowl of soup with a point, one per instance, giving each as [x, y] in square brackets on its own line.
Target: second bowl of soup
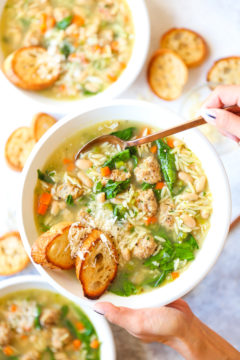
[123, 225]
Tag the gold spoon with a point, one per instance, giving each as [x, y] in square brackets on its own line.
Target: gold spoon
[146, 139]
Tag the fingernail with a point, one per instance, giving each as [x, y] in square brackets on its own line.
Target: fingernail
[209, 115]
[99, 312]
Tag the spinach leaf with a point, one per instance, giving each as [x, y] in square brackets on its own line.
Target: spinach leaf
[122, 156]
[66, 49]
[64, 311]
[156, 281]
[71, 328]
[45, 177]
[135, 161]
[123, 286]
[50, 353]
[167, 163]
[112, 188]
[37, 323]
[69, 200]
[89, 329]
[64, 23]
[125, 134]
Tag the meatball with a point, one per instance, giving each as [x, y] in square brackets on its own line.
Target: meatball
[64, 190]
[148, 171]
[5, 334]
[119, 175]
[147, 202]
[49, 317]
[165, 216]
[60, 337]
[144, 248]
[31, 355]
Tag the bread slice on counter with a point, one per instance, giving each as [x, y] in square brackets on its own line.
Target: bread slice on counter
[225, 71]
[96, 264]
[31, 68]
[52, 249]
[41, 123]
[13, 257]
[18, 147]
[188, 44]
[167, 74]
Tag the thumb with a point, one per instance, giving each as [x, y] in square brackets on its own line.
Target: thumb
[120, 316]
[224, 120]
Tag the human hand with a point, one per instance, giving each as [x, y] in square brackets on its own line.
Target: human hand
[227, 122]
[174, 325]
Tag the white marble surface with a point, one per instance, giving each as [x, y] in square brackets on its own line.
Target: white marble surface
[216, 300]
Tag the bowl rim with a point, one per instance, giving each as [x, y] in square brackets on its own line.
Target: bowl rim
[104, 332]
[155, 301]
[137, 60]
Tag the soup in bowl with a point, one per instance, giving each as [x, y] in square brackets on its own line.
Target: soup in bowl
[123, 225]
[90, 45]
[37, 323]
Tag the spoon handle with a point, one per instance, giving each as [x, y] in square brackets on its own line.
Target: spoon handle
[175, 129]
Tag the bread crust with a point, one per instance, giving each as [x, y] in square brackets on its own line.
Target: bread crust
[48, 250]
[28, 68]
[190, 63]
[151, 74]
[15, 261]
[18, 147]
[41, 123]
[88, 268]
[214, 67]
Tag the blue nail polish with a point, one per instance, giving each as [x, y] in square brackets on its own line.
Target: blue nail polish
[211, 116]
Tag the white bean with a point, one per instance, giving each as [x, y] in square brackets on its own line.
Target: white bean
[83, 164]
[200, 183]
[177, 142]
[188, 221]
[85, 179]
[185, 177]
[56, 207]
[205, 214]
[189, 196]
[101, 197]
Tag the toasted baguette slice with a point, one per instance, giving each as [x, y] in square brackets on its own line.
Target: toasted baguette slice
[52, 248]
[35, 68]
[13, 257]
[167, 74]
[96, 265]
[188, 44]
[41, 123]
[18, 147]
[225, 71]
[8, 71]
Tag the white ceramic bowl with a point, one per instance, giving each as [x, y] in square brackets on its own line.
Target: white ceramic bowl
[154, 115]
[139, 54]
[101, 326]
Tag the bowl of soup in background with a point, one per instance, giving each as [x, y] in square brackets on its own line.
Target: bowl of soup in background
[31, 282]
[147, 114]
[140, 47]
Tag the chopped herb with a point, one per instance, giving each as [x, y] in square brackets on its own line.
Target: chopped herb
[89, 211]
[66, 49]
[44, 227]
[64, 23]
[167, 163]
[119, 211]
[45, 177]
[70, 200]
[37, 323]
[125, 134]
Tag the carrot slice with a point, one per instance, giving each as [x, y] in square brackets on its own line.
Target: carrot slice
[175, 275]
[105, 171]
[71, 167]
[13, 308]
[43, 23]
[145, 131]
[114, 46]
[50, 22]
[170, 142]
[159, 185]
[67, 161]
[151, 220]
[80, 326]
[7, 350]
[112, 78]
[42, 209]
[94, 344]
[77, 343]
[45, 198]
[78, 20]
[153, 149]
